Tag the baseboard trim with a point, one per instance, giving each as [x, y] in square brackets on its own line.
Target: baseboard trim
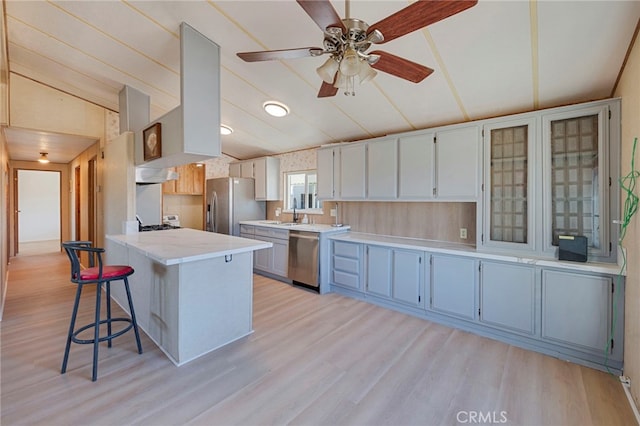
[626, 385]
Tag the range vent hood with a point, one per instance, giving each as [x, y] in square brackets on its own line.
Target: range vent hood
[145, 175]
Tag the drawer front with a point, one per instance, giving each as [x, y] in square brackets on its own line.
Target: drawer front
[247, 229]
[346, 249]
[346, 264]
[346, 279]
[281, 234]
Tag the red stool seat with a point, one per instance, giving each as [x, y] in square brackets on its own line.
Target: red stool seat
[108, 272]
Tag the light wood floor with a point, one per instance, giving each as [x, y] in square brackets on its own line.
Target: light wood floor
[39, 247]
[313, 360]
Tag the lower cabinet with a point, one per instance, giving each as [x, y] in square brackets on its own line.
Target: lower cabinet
[575, 315]
[576, 310]
[453, 285]
[508, 296]
[346, 265]
[379, 270]
[274, 260]
[396, 274]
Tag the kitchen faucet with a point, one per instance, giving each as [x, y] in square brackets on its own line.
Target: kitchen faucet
[295, 215]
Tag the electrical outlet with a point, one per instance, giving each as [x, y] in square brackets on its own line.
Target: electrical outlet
[278, 211]
[333, 213]
[463, 233]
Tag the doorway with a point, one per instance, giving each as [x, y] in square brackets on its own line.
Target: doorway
[38, 208]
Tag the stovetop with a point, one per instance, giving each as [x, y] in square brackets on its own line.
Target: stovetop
[161, 227]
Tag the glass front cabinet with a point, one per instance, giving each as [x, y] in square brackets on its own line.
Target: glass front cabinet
[509, 185]
[549, 174]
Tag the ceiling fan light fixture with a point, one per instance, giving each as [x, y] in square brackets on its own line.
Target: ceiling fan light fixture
[350, 64]
[345, 82]
[225, 130]
[43, 158]
[327, 71]
[366, 72]
[276, 109]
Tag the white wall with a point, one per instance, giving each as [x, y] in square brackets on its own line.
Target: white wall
[39, 205]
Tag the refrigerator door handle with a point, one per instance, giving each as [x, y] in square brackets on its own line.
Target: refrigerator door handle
[214, 211]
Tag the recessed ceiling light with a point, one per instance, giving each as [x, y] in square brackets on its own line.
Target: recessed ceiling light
[43, 158]
[225, 130]
[276, 109]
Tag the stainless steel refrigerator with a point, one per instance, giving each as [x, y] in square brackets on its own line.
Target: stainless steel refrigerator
[230, 200]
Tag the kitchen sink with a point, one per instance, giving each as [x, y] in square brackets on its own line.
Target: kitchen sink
[271, 222]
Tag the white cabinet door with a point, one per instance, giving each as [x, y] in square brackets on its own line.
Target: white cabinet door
[325, 169]
[382, 169]
[458, 164]
[416, 167]
[246, 169]
[407, 277]
[260, 176]
[353, 171]
[379, 270]
[280, 257]
[453, 286]
[507, 296]
[576, 310]
[262, 259]
[235, 170]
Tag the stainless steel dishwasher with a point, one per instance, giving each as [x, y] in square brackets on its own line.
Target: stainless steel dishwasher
[303, 258]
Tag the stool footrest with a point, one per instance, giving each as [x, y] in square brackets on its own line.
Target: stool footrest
[75, 339]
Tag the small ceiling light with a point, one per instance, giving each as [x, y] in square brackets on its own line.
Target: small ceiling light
[225, 130]
[276, 109]
[43, 158]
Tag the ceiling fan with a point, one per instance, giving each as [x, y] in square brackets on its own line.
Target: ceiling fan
[347, 41]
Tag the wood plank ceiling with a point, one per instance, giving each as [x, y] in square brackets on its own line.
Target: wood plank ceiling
[499, 57]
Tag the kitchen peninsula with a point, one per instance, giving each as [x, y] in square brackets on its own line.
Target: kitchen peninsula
[192, 290]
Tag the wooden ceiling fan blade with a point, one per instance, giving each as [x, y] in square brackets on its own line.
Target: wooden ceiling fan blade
[418, 15]
[400, 67]
[272, 55]
[322, 13]
[327, 90]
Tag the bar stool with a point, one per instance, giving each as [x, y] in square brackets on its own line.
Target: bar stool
[96, 275]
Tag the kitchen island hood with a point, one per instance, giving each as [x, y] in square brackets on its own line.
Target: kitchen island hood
[146, 175]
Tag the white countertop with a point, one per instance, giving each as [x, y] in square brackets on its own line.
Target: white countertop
[471, 251]
[174, 246]
[319, 228]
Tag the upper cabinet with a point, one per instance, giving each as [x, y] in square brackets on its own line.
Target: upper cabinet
[416, 170]
[382, 161]
[509, 184]
[353, 171]
[191, 131]
[190, 181]
[420, 166]
[552, 173]
[458, 164]
[328, 170]
[266, 173]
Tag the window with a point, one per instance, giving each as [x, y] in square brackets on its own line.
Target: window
[301, 191]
